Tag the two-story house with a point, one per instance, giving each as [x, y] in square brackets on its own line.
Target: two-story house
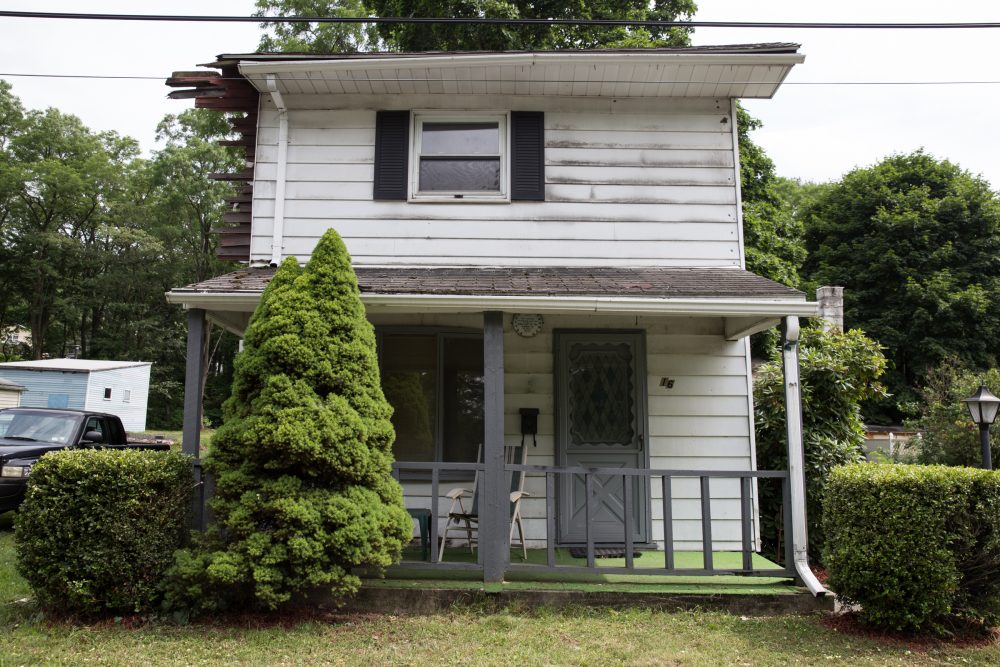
[550, 248]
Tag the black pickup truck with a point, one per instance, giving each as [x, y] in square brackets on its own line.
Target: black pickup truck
[28, 433]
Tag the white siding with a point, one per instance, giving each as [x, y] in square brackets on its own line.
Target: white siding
[701, 423]
[135, 380]
[49, 388]
[648, 186]
[9, 399]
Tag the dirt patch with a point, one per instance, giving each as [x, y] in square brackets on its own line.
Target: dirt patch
[964, 634]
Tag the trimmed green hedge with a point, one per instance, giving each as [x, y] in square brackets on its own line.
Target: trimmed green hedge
[914, 545]
[99, 527]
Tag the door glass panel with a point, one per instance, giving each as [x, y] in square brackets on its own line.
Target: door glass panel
[409, 380]
[462, 402]
[601, 394]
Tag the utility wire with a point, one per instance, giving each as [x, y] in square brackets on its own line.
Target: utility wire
[188, 18]
[519, 81]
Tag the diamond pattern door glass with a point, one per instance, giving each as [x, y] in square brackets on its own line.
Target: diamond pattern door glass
[601, 400]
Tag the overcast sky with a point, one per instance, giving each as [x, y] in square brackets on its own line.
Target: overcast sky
[813, 132]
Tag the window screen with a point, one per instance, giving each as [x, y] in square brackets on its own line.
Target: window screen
[460, 157]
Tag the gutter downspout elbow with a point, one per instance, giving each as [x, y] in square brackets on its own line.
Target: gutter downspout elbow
[278, 230]
[796, 456]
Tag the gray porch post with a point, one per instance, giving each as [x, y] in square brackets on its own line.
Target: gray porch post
[796, 455]
[494, 503]
[193, 408]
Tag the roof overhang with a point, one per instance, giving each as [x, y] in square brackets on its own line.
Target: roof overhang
[738, 72]
[743, 316]
[747, 303]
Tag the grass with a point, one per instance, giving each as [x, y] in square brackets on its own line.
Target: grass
[462, 636]
[178, 437]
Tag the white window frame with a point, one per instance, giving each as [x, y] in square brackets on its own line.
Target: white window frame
[126, 395]
[418, 118]
[108, 392]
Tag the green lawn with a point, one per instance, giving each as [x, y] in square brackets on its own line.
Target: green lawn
[463, 636]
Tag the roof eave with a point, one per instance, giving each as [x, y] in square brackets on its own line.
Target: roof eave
[451, 303]
[557, 58]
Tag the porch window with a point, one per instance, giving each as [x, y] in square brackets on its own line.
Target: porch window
[434, 382]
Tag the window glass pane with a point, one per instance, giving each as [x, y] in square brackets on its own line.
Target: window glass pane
[460, 175]
[463, 398]
[460, 139]
[409, 380]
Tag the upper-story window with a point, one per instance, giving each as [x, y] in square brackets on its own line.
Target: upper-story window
[459, 157]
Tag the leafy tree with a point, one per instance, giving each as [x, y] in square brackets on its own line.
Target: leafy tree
[315, 37]
[91, 236]
[302, 463]
[838, 371]
[11, 121]
[62, 183]
[331, 38]
[947, 434]
[914, 241]
[424, 37]
[798, 195]
[771, 233]
[184, 207]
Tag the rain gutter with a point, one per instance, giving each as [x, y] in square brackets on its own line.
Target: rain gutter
[796, 456]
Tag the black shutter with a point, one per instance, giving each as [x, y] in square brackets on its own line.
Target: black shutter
[527, 141]
[392, 148]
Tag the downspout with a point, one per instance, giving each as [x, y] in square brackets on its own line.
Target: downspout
[796, 456]
[278, 230]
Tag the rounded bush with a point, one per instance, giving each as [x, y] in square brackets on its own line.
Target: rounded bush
[914, 545]
[98, 528]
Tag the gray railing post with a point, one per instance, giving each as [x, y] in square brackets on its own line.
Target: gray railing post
[550, 519]
[668, 523]
[706, 523]
[494, 504]
[191, 434]
[746, 521]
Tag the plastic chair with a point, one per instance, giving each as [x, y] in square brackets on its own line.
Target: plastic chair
[465, 521]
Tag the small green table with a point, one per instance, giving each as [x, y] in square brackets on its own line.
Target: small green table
[423, 517]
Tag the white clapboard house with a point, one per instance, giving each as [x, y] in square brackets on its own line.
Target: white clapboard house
[550, 248]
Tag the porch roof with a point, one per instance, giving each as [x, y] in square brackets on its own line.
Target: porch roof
[749, 302]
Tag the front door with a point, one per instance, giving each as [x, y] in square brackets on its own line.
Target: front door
[601, 423]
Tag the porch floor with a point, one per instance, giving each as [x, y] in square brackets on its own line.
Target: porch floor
[417, 577]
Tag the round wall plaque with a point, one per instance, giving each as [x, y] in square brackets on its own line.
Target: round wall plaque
[526, 325]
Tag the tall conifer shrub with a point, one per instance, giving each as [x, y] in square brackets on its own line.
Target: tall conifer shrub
[302, 460]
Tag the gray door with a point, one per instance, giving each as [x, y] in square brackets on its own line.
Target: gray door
[601, 423]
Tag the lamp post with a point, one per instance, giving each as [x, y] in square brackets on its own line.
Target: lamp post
[983, 406]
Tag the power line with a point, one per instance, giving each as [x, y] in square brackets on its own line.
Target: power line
[519, 81]
[188, 18]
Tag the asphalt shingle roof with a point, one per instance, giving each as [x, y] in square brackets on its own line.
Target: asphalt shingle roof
[656, 282]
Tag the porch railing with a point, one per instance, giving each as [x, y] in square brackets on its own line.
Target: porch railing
[630, 477]
[666, 478]
[435, 468]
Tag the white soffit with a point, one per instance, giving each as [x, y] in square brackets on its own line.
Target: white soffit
[569, 74]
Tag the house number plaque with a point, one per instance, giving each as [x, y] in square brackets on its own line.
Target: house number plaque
[525, 325]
